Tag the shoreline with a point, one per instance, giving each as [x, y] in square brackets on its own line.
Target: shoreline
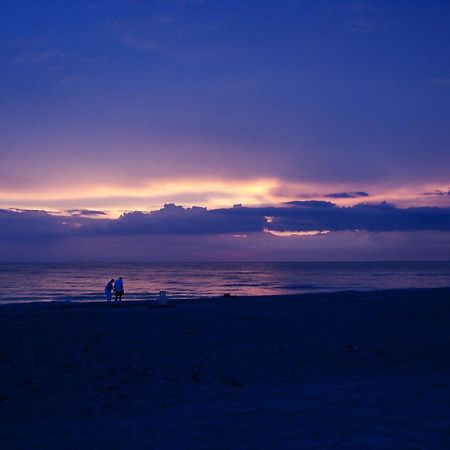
[331, 295]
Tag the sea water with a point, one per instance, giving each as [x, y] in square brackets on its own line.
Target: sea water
[24, 282]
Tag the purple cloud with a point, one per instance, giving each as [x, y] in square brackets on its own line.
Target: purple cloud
[177, 220]
[85, 212]
[379, 217]
[347, 194]
[437, 193]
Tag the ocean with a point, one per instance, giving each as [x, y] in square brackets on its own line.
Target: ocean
[31, 282]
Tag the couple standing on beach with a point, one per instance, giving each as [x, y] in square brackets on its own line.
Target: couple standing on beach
[117, 287]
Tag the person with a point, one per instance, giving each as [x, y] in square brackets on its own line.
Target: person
[108, 290]
[118, 289]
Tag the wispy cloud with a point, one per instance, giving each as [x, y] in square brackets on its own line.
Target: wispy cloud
[236, 86]
[33, 59]
[347, 194]
[183, 53]
[85, 212]
[437, 193]
[139, 43]
[177, 3]
[362, 18]
[168, 30]
[71, 78]
[94, 6]
[189, 2]
[362, 26]
[61, 67]
[440, 81]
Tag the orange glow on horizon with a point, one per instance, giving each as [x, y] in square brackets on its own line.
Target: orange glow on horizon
[150, 189]
[210, 193]
[115, 200]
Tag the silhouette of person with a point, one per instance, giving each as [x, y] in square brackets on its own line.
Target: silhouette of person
[118, 289]
[108, 290]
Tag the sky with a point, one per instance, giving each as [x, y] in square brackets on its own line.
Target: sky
[223, 130]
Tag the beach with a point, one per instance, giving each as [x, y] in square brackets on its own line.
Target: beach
[330, 370]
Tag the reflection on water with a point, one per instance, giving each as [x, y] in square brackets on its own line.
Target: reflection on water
[85, 281]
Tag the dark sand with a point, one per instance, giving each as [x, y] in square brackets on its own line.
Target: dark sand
[343, 371]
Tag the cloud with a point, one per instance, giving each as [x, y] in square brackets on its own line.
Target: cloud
[94, 6]
[361, 26]
[347, 194]
[85, 212]
[362, 18]
[297, 216]
[183, 3]
[437, 193]
[310, 203]
[33, 225]
[33, 59]
[368, 217]
[440, 81]
[139, 43]
[69, 79]
[174, 219]
[178, 3]
[182, 53]
[165, 29]
[236, 86]
[63, 67]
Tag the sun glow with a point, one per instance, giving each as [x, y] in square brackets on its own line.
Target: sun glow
[113, 200]
[251, 188]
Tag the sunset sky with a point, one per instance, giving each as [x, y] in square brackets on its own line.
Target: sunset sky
[328, 122]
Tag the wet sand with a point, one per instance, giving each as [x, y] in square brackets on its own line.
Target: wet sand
[347, 370]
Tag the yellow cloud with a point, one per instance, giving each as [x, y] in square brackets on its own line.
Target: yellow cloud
[115, 199]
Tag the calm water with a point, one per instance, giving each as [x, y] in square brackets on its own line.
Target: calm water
[85, 282]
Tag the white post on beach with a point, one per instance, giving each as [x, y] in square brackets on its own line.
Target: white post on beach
[162, 298]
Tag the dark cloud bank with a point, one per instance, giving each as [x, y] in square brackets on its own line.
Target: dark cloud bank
[39, 226]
